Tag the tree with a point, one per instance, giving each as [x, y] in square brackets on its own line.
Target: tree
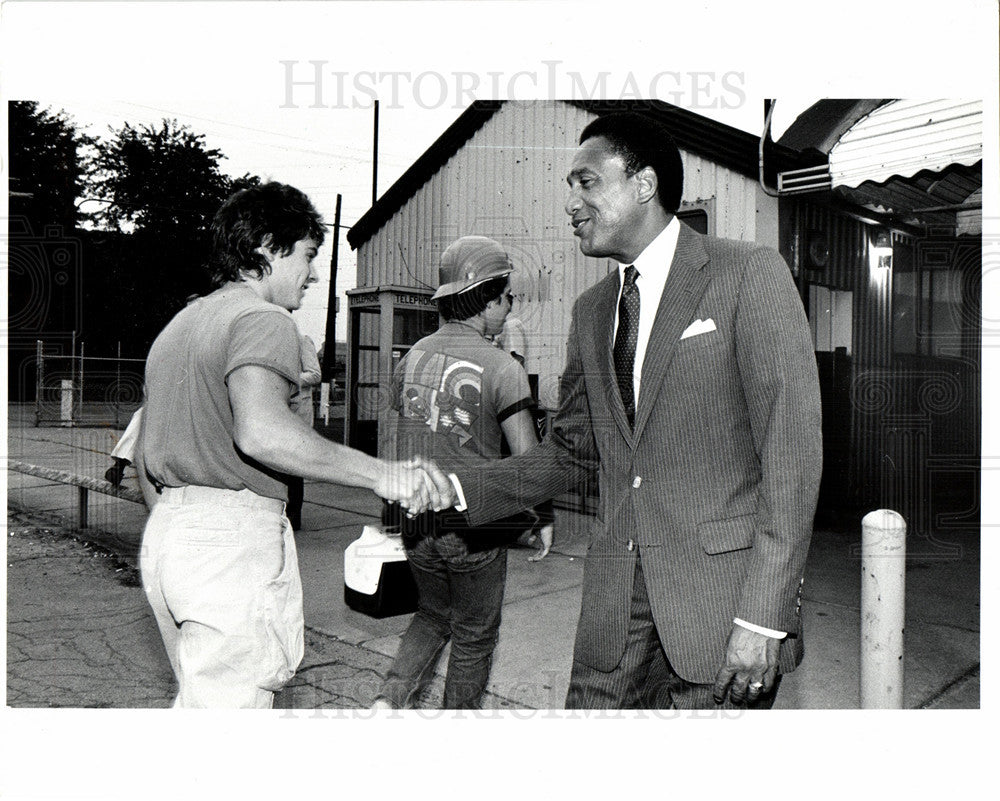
[160, 187]
[161, 180]
[46, 166]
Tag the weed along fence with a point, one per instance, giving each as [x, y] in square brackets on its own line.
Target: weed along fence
[75, 389]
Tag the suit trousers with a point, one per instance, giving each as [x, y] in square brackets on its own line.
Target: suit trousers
[644, 679]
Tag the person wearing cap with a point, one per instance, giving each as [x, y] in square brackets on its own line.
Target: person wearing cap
[457, 396]
[691, 382]
[514, 340]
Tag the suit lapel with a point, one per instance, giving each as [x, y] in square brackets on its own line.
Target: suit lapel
[600, 343]
[685, 285]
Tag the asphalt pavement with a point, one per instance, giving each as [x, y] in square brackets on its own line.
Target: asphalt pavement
[79, 632]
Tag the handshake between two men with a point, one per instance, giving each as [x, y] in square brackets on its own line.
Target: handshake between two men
[417, 484]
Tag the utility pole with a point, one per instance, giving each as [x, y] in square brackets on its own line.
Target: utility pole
[375, 157]
[330, 345]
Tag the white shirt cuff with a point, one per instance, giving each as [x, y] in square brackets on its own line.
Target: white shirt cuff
[461, 506]
[778, 635]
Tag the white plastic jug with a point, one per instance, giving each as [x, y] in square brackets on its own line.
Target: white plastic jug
[364, 558]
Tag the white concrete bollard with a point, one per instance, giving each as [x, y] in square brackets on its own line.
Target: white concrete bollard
[66, 402]
[883, 609]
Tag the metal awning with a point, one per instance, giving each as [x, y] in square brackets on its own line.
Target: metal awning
[915, 161]
[906, 137]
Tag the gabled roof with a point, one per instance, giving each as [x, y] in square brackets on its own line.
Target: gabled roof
[730, 147]
[422, 170]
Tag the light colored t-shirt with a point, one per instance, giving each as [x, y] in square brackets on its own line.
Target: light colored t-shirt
[188, 433]
[302, 399]
[513, 338]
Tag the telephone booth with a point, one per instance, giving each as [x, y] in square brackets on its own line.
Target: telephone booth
[382, 325]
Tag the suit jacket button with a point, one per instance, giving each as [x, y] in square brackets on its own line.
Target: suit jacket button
[631, 545]
[636, 482]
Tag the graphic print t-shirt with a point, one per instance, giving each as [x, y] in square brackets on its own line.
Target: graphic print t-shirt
[452, 390]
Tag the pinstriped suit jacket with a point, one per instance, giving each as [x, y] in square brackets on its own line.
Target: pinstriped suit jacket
[717, 484]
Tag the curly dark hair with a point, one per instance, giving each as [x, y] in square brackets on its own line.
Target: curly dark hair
[274, 215]
[641, 141]
[463, 305]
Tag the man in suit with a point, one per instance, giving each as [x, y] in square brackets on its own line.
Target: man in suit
[691, 384]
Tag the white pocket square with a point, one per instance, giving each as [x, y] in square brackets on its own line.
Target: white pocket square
[699, 327]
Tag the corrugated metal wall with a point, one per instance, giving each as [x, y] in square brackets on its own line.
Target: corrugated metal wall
[508, 182]
[900, 430]
[847, 242]
[937, 388]
[736, 198]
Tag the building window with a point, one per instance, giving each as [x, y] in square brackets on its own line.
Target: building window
[695, 218]
[409, 325]
[927, 313]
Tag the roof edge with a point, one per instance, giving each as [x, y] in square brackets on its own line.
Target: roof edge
[723, 144]
[422, 170]
[820, 126]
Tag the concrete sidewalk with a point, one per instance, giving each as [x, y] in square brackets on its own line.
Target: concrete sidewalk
[81, 637]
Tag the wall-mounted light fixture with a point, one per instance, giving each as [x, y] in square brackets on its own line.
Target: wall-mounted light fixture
[881, 249]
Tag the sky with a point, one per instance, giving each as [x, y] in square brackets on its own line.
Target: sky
[223, 68]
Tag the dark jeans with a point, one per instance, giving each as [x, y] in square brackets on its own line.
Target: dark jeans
[459, 598]
[644, 679]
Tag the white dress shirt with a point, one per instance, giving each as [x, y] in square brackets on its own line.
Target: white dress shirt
[653, 265]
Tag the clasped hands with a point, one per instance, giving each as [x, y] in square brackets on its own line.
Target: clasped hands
[416, 485]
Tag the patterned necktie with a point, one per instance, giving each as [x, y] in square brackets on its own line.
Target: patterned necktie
[625, 340]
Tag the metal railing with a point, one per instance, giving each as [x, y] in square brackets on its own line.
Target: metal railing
[85, 485]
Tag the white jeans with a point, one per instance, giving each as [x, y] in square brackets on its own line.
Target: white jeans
[221, 573]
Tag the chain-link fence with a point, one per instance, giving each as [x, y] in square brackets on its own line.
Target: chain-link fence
[75, 389]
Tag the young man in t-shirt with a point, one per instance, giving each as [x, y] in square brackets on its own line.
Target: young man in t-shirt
[456, 395]
[218, 558]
